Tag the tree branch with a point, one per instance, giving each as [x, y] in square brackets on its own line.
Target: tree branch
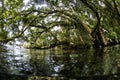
[96, 14]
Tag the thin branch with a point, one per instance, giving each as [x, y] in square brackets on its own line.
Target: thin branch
[115, 5]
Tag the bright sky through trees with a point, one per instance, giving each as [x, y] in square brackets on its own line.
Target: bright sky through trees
[26, 1]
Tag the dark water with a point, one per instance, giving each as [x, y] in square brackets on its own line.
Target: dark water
[57, 64]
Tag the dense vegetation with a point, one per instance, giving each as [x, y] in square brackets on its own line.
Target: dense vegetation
[49, 23]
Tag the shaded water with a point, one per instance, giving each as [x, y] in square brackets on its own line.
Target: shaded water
[85, 64]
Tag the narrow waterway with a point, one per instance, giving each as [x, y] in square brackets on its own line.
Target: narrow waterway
[56, 64]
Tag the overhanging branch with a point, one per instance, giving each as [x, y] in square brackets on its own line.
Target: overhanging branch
[95, 12]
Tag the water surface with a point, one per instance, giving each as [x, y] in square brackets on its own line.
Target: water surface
[57, 64]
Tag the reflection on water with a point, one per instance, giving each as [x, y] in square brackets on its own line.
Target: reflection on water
[84, 64]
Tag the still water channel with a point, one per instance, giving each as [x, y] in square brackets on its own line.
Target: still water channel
[56, 64]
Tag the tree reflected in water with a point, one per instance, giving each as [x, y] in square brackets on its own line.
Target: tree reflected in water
[87, 64]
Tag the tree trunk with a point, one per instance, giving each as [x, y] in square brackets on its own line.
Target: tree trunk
[99, 38]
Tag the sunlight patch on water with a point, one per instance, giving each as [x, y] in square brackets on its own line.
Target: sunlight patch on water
[58, 68]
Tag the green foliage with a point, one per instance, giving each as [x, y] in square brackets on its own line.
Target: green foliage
[76, 20]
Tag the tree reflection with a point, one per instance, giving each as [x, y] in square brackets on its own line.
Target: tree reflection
[88, 64]
[3, 60]
[97, 63]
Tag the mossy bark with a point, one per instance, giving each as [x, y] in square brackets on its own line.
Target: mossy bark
[99, 38]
